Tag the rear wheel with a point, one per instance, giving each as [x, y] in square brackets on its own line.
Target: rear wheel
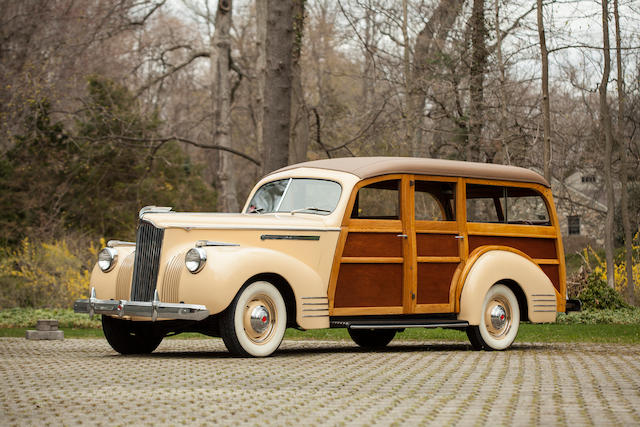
[129, 337]
[372, 338]
[255, 322]
[500, 320]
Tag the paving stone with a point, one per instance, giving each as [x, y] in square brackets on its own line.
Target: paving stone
[196, 382]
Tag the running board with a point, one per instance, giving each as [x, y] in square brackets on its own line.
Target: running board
[398, 324]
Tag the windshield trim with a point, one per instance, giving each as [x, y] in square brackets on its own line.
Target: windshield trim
[284, 194]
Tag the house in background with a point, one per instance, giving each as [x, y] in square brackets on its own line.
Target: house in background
[581, 206]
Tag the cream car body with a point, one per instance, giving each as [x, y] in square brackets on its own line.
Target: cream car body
[384, 272]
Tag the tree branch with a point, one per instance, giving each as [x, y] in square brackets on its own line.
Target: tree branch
[202, 54]
[164, 140]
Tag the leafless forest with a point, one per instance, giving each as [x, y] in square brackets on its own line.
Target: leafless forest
[110, 105]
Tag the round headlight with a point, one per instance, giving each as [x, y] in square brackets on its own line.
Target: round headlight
[107, 259]
[195, 259]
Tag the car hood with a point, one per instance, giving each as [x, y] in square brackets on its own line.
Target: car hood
[287, 221]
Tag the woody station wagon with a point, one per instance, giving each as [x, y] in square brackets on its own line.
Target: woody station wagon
[375, 245]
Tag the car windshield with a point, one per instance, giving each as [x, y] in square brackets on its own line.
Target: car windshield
[296, 195]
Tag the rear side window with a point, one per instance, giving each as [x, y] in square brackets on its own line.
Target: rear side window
[508, 205]
[435, 201]
[380, 200]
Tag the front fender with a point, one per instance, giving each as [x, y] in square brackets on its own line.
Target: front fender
[228, 268]
[495, 266]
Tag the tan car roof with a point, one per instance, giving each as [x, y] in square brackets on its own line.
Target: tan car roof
[367, 167]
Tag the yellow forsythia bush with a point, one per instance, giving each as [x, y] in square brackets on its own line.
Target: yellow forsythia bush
[599, 267]
[44, 274]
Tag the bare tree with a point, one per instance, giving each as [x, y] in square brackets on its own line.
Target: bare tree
[624, 170]
[277, 93]
[221, 46]
[476, 79]
[607, 137]
[299, 139]
[546, 116]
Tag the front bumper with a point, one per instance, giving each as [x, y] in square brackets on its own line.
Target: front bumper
[153, 309]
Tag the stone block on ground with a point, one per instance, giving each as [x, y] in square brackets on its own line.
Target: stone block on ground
[45, 335]
[47, 325]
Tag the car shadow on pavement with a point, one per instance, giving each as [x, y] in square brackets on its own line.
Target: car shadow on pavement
[301, 348]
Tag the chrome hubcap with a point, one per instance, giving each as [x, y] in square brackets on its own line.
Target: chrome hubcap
[497, 317]
[259, 318]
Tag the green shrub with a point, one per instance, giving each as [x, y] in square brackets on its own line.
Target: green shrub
[622, 316]
[597, 295]
[28, 317]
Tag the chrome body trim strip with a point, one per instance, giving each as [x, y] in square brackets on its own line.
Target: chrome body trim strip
[315, 315]
[114, 243]
[201, 243]
[153, 309]
[288, 237]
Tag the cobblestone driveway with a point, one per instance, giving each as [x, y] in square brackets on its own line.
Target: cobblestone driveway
[82, 381]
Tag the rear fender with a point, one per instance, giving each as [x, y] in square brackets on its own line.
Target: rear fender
[495, 266]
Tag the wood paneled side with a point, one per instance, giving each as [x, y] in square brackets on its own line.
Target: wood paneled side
[553, 273]
[535, 248]
[369, 285]
[437, 245]
[373, 245]
[434, 282]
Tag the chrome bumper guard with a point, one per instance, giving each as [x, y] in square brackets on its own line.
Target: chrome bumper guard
[153, 309]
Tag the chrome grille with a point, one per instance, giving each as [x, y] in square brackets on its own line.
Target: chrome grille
[147, 262]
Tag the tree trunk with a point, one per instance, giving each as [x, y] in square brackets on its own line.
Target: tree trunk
[261, 66]
[227, 193]
[299, 112]
[411, 113]
[503, 144]
[607, 135]
[476, 79]
[277, 94]
[624, 172]
[546, 116]
[429, 42]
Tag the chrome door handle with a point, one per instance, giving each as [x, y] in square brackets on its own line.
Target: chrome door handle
[404, 236]
[459, 237]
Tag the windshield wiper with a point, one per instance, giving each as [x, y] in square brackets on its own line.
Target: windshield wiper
[309, 209]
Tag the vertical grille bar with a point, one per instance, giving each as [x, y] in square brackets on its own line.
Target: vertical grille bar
[147, 262]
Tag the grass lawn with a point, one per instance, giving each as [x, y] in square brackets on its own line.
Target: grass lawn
[598, 333]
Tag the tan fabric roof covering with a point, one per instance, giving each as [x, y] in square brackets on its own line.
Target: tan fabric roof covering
[367, 167]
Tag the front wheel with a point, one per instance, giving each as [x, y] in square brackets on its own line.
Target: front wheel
[255, 322]
[500, 320]
[372, 339]
[129, 337]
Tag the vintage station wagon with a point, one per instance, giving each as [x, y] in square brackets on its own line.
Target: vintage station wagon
[373, 244]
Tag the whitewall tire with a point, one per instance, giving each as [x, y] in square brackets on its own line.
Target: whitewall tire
[255, 322]
[500, 320]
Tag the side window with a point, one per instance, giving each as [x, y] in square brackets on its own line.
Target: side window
[526, 206]
[380, 200]
[435, 201]
[485, 203]
[509, 205]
